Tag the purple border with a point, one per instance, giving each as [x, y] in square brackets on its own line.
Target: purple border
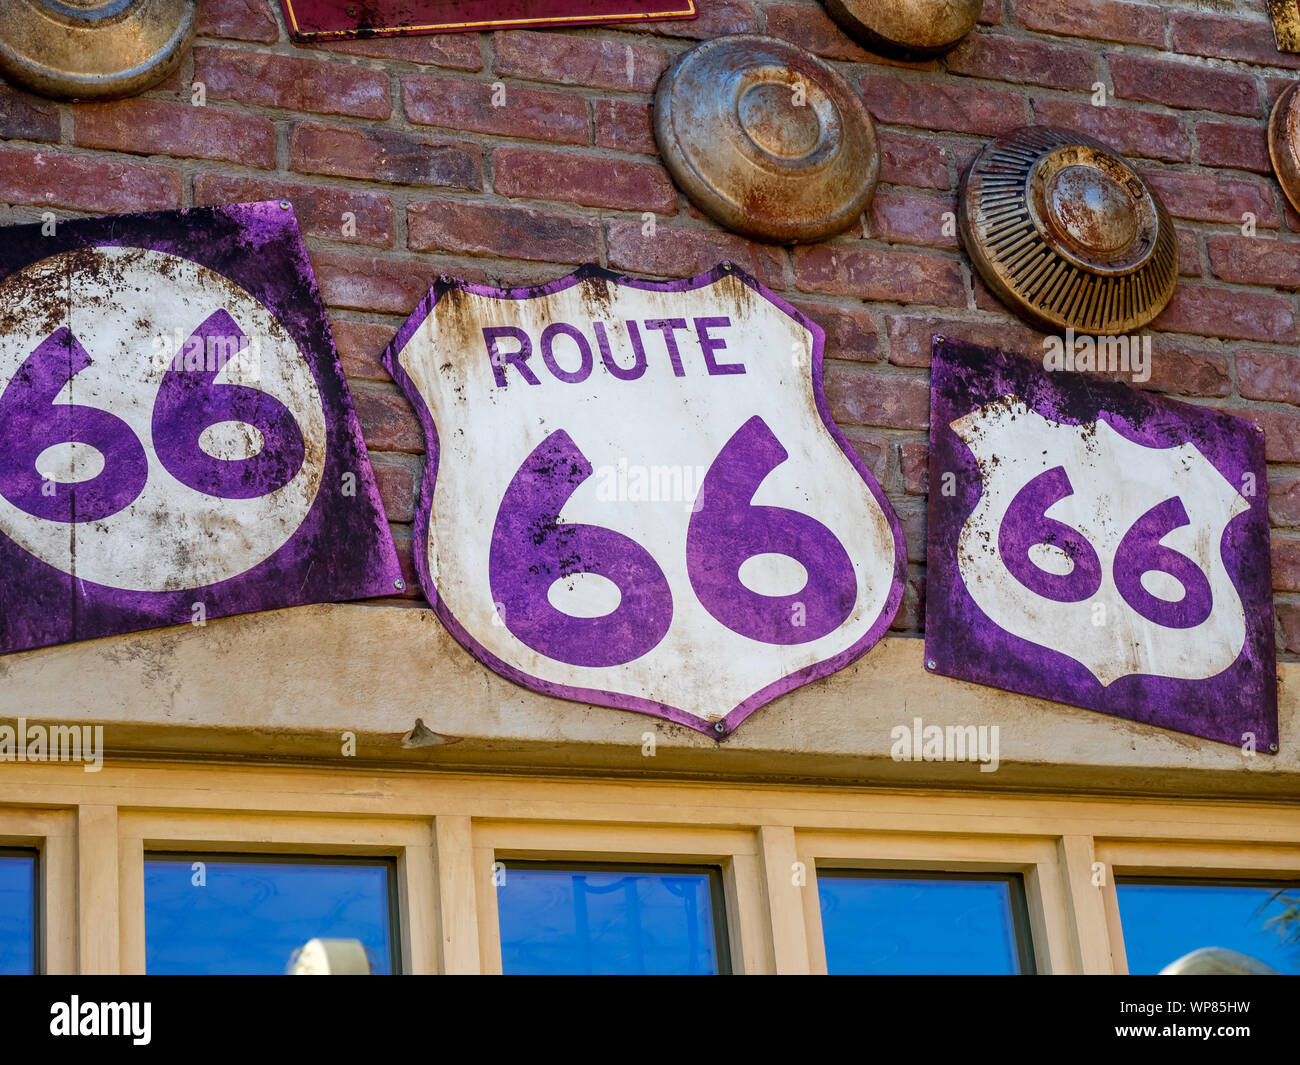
[339, 551]
[964, 643]
[595, 696]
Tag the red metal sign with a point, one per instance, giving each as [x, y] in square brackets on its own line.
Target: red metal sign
[322, 20]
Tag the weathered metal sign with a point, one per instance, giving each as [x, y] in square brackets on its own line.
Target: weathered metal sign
[178, 442]
[1099, 546]
[321, 20]
[635, 495]
[1286, 24]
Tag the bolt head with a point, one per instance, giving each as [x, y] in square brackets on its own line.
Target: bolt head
[399, 584]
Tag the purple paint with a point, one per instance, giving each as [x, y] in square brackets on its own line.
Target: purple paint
[595, 696]
[963, 642]
[342, 549]
[709, 345]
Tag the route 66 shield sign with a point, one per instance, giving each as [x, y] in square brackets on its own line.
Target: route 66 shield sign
[635, 496]
[1099, 546]
[177, 442]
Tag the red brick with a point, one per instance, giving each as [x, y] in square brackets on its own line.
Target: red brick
[810, 27]
[902, 219]
[1214, 312]
[384, 155]
[1250, 40]
[458, 103]
[675, 251]
[1281, 430]
[873, 274]
[911, 516]
[459, 51]
[397, 480]
[319, 210]
[717, 18]
[26, 117]
[625, 126]
[359, 346]
[289, 82]
[86, 183]
[1284, 501]
[1255, 261]
[392, 286]
[942, 105]
[1286, 565]
[1189, 253]
[387, 421]
[589, 180]
[999, 58]
[914, 465]
[1100, 20]
[1187, 85]
[911, 338]
[1269, 375]
[911, 611]
[1234, 144]
[871, 447]
[1184, 371]
[152, 127]
[1126, 129]
[238, 20]
[1288, 616]
[1216, 197]
[991, 13]
[510, 232]
[579, 60]
[914, 161]
[850, 331]
[889, 400]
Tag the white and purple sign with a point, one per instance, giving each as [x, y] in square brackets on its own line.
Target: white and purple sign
[178, 439]
[635, 495]
[1099, 546]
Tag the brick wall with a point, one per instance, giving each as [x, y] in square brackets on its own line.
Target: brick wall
[402, 134]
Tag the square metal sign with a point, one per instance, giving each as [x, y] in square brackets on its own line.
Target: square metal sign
[323, 20]
[635, 494]
[1099, 546]
[178, 442]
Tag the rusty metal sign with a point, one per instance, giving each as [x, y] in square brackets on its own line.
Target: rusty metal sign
[179, 443]
[1286, 24]
[635, 495]
[323, 20]
[1099, 546]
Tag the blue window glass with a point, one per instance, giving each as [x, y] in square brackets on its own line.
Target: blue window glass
[246, 915]
[1165, 919]
[609, 919]
[926, 923]
[18, 913]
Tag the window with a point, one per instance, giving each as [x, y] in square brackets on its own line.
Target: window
[19, 923]
[611, 919]
[247, 914]
[875, 921]
[1164, 919]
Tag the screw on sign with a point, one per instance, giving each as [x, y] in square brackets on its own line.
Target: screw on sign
[1098, 546]
[177, 429]
[636, 498]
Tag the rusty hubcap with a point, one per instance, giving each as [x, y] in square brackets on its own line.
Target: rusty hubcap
[906, 28]
[93, 49]
[767, 139]
[1066, 233]
[1284, 143]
